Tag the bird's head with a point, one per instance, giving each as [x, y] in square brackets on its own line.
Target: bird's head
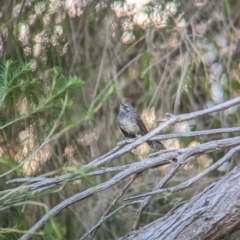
[125, 107]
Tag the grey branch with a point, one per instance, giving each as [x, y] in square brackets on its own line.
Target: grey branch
[182, 156]
[190, 182]
[106, 214]
[174, 119]
[208, 213]
[40, 182]
[135, 168]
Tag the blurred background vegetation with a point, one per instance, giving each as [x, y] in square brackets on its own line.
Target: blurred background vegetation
[65, 65]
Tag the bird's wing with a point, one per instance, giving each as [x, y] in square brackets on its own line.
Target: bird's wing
[126, 134]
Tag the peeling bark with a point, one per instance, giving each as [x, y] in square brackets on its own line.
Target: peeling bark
[210, 215]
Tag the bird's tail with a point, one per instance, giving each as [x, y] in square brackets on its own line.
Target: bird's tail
[156, 145]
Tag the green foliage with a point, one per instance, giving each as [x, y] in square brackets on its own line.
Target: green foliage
[86, 40]
[25, 98]
[15, 83]
[10, 224]
[54, 230]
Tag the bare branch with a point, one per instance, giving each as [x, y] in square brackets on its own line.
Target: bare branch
[174, 119]
[196, 133]
[69, 176]
[102, 220]
[182, 155]
[208, 213]
[106, 214]
[147, 200]
[136, 168]
[193, 180]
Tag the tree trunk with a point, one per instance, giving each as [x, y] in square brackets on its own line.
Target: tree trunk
[210, 215]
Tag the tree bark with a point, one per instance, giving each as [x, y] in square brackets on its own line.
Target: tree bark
[209, 215]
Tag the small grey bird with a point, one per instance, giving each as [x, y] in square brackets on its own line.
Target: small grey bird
[131, 125]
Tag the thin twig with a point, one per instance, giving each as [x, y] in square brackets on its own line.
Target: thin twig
[101, 221]
[196, 133]
[136, 168]
[171, 121]
[142, 166]
[191, 181]
[104, 217]
[44, 181]
[147, 200]
[184, 69]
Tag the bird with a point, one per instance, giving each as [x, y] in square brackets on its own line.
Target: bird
[131, 125]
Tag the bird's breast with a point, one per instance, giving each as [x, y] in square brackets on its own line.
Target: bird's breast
[127, 124]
